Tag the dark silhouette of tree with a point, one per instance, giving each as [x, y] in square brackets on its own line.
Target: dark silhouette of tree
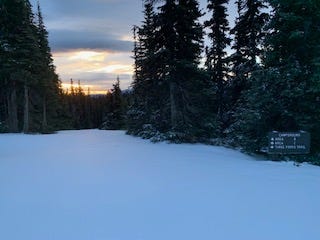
[217, 61]
[284, 92]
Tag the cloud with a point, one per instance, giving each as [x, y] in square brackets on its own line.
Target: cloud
[118, 15]
[90, 24]
[66, 40]
[91, 40]
[99, 82]
[93, 8]
[96, 69]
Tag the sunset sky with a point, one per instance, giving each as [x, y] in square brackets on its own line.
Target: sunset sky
[91, 40]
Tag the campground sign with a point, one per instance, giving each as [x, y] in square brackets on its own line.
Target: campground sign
[289, 142]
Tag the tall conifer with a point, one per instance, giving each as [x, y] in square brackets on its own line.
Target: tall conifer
[48, 87]
[284, 93]
[26, 67]
[176, 80]
[145, 73]
[248, 37]
[216, 54]
[20, 59]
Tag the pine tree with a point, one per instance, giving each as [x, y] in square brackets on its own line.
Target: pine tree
[216, 55]
[249, 33]
[248, 37]
[4, 84]
[19, 60]
[284, 93]
[176, 84]
[27, 70]
[48, 87]
[145, 76]
[189, 85]
[9, 94]
[115, 118]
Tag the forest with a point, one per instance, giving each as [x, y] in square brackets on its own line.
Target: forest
[211, 81]
[31, 97]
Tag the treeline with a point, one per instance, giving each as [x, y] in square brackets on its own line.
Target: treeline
[31, 97]
[261, 75]
[86, 111]
[270, 80]
[29, 86]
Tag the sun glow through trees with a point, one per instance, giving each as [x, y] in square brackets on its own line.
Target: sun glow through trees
[96, 70]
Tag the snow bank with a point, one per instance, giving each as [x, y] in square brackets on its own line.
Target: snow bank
[105, 185]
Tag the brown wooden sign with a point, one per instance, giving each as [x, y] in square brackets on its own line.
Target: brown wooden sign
[289, 143]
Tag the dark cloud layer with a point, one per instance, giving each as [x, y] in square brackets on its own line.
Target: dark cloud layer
[90, 24]
[93, 24]
[64, 40]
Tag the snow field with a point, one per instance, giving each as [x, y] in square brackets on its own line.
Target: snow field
[105, 185]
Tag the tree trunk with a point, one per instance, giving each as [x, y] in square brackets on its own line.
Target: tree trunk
[173, 105]
[26, 110]
[13, 111]
[44, 115]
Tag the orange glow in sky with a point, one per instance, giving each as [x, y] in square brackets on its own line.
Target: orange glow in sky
[96, 70]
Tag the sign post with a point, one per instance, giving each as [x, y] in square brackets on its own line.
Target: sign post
[286, 143]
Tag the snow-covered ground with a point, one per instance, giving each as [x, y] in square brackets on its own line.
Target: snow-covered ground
[105, 185]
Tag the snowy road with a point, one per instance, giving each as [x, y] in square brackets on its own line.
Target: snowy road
[104, 185]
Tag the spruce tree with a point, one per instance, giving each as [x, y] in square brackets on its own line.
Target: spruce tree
[115, 118]
[48, 88]
[29, 79]
[216, 55]
[248, 37]
[19, 61]
[8, 22]
[177, 86]
[145, 75]
[4, 84]
[284, 92]
[190, 85]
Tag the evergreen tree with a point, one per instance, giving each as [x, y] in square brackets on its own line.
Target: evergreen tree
[145, 75]
[20, 58]
[176, 81]
[115, 118]
[248, 36]
[284, 93]
[3, 72]
[189, 86]
[216, 55]
[48, 87]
